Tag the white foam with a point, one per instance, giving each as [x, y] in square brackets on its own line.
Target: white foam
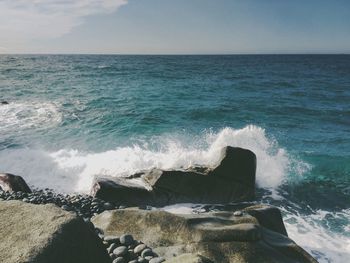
[77, 169]
[313, 234]
[17, 116]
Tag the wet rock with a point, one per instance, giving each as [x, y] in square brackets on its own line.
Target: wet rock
[120, 251]
[13, 183]
[232, 180]
[126, 240]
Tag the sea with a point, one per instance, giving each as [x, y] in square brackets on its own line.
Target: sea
[70, 118]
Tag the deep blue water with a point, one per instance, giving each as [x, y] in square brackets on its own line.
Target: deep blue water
[71, 118]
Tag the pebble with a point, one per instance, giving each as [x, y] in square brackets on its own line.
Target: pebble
[119, 260]
[147, 252]
[138, 249]
[157, 260]
[111, 248]
[126, 240]
[120, 251]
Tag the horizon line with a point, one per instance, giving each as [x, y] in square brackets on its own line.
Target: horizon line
[179, 54]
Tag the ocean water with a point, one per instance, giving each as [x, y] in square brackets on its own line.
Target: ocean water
[71, 118]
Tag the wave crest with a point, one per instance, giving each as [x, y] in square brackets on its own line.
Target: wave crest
[73, 171]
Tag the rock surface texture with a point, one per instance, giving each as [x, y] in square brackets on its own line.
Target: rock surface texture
[232, 180]
[224, 237]
[13, 183]
[46, 234]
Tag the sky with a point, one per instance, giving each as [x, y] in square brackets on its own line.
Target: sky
[174, 26]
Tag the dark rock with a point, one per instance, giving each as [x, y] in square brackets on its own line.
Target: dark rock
[126, 240]
[120, 251]
[269, 217]
[13, 183]
[4, 102]
[46, 233]
[119, 260]
[147, 253]
[217, 236]
[232, 180]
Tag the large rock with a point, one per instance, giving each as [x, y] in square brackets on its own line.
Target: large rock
[46, 234]
[224, 237]
[13, 183]
[232, 180]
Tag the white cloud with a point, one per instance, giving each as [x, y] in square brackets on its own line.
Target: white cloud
[33, 19]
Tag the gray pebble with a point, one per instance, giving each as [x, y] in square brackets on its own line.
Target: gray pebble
[111, 248]
[138, 249]
[119, 260]
[126, 240]
[120, 251]
[147, 252]
[157, 260]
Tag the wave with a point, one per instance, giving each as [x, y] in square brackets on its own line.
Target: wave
[18, 116]
[315, 234]
[70, 170]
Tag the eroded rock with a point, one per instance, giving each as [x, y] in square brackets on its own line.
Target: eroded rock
[46, 233]
[216, 236]
[232, 180]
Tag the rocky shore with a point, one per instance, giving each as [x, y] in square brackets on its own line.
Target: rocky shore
[119, 223]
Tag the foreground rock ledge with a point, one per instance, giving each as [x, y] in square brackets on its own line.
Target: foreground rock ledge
[46, 234]
[224, 237]
[232, 180]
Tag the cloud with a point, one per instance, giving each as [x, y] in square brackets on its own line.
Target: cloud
[33, 19]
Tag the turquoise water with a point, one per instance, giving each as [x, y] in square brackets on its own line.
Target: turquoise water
[71, 118]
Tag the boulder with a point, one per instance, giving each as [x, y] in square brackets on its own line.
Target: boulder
[13, 183]
[46, 233]
[232, 180]
[4, 102]
[224, 237]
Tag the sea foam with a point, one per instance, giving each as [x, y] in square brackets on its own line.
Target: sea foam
[68, 170]
[18, 116]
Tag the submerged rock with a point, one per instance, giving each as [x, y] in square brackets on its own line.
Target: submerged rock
[46, 233]
[13, 183]
[232, 180]
[208, 237]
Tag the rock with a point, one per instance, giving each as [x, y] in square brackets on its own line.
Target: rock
[4, 102]
[216, 236]
[111, 248]
[119, 260]
[269, 217]
[111, 239]
[232, 180]
[138, 249]
[120, 251]
[147, 253]
[126, 240]
[46, 233]
[189, 258]
[13, 183]
[157, 260]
